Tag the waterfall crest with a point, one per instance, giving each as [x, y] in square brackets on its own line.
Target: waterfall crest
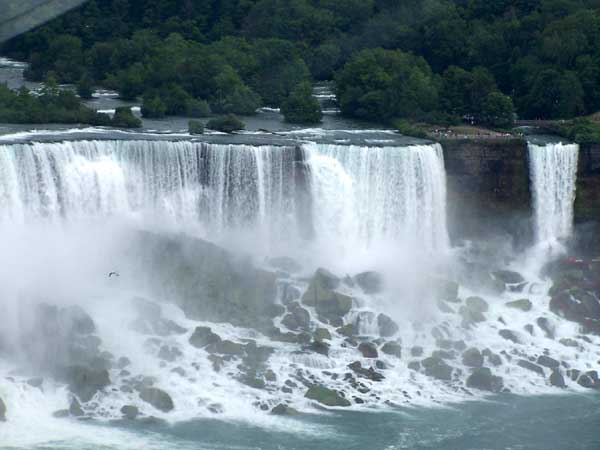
[553, 171]
[219, 187]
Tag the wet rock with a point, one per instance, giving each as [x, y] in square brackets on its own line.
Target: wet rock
[392, 348]
[275, 310]
[123, 362]
[492, 358]
[36, 382]
[226, 347]
[206, 281]
[298, 317]
[348, 330]
[472, 311]
[150, 320]
[85, 382]
[437, 368]
[416, 351]
[573, 374]
[322, 334]
[578, 305]
[508, 276]
[285, 263]
[369, 373]
[61, 413]
[252, 379]
[546, 327]
[483, 379]
[530, 366]
[215, 408]
[130, 412]
[509, 335]
[546, 361]
[443, 307]
[444, 289]
[529, 329]
[556, 379]
[319, 347]
[168, 353]
[283, 410]
[369, 282]
[589, 380]
[2, 410]
[368, 350]
[179, 371]
[203, 336]
[568, 342]
[326, 396]
[387, 327]
[321, 295]
[472, 357]
[523, 304]
[157, 398]
[444, 354]
[414, 365]
[75, 409]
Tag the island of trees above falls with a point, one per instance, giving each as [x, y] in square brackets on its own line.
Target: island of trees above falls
[399, 63]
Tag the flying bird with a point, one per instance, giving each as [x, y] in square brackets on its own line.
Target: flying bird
[116, 274]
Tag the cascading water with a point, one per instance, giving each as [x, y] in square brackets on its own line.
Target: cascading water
[372, 195]
[553, 170]
[187, 184]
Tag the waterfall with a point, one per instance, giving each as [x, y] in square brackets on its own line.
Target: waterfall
[553, 171]
[378, 195]
[216, 187]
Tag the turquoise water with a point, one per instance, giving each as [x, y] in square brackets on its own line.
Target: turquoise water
[561, 422]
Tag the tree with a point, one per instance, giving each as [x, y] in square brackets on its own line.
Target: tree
[153, 107]
[124, 118]
[226, 124]
[379, 84]
[85, 87]
[301, 106]
[497, 110]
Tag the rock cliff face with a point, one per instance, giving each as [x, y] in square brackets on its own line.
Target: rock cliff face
[587, 202]
[488, 187]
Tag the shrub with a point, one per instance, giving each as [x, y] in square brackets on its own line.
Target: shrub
[124, 118]
[85, 87]
[153, 107]
[198, 108]
[195, 127]
[301, 106]
[227, 124]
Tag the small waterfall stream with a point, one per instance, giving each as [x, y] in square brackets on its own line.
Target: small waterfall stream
[553, 170]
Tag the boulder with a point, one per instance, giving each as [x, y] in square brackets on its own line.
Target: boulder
[169, 353]
[589, 380]
[530, 366]
[437, 368]
[298, 317]
[368, 350]
[492, 358]
[568, 342]
[35, 382]
[369, 282]
[319, 347]
[392, 348]
[546, 327]
[322, 334]
[283, 410]
[472, 357]
[369, 373]
[472, 311]
[289, 293]
[203, 336]
[157, 398]
[578, 305]
[2, 410]
[387, 327]
[523, 304]
[320, 294]
[348, 330]
[84, 381]
[326, 396]
[130, 412]
[510, 335]
[75, 409]
[226, 347]
[206, 281]
[557, 380]
[508, 277]
[416, 351]
[546, 361]
[482, 378]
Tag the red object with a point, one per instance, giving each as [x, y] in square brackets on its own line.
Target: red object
[571, 259]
